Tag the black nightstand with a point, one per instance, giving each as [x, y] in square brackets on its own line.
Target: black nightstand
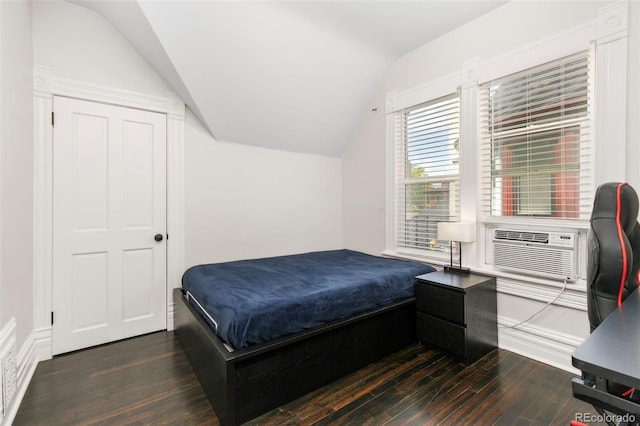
[457, 313]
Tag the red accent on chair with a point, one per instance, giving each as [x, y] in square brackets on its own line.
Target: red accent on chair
[623, 273]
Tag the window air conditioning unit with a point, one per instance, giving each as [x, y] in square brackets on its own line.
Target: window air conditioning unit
[546, 254]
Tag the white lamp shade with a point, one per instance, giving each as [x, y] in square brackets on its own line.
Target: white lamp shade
[463, 232]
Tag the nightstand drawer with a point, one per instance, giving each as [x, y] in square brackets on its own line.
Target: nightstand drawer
[445, 335]
[441, 302]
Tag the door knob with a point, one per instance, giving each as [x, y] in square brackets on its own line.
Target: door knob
[158, 237]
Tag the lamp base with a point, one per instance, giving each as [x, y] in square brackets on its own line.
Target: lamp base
[456, 269]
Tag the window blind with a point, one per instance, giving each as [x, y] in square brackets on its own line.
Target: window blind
[535, 141]
[427, 171]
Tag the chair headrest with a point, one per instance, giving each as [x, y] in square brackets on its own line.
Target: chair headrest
[611, 195]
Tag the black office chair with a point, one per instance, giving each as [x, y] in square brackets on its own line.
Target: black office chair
[612, 269]
[613, 238]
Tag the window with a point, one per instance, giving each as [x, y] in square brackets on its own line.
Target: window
[426, 172]
[536, 141]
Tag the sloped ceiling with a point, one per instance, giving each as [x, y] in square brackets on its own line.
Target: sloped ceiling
[291, 75]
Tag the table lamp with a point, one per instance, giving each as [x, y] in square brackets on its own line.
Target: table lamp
[460, 232]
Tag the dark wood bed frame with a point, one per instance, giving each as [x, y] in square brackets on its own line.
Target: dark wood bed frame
[246, 383]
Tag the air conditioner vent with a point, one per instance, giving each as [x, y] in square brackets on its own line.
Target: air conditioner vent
[506, 234]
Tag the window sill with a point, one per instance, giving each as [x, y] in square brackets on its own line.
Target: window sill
[537, 223]
[431, 260]
[519, 285]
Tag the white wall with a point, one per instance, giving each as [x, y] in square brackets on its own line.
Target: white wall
[16, 204]
[16, 169]
[245, 202]
[553, 335]
[633, 100]
[241, 201]
[78, 44]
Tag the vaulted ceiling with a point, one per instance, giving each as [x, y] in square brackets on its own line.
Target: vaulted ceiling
[291, 75]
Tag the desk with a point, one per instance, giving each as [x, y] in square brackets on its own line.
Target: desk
[611, 353]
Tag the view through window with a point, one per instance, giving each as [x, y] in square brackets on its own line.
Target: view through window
[427, 171]
[535, 140]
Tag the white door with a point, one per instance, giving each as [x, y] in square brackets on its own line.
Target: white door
[109, 223]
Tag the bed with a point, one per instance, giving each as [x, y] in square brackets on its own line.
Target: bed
[260, 333]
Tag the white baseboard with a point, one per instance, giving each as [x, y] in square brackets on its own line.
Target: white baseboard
[42, 343]
[546, 346]
[17, 368]
[171, 316]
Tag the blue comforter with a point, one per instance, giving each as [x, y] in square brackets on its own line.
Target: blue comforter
[253, 301]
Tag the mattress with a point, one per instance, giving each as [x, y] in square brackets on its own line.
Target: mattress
[253, 301]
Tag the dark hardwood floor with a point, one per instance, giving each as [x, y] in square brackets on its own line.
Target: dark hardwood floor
[147, 380]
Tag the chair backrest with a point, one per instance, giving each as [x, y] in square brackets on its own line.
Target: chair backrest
[613, 237]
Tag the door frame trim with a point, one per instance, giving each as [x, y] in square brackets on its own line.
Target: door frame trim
[46, 86]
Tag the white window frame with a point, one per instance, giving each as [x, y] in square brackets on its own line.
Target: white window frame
[609, 32]
[396, 102]
[609, 118]
[585, 146]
